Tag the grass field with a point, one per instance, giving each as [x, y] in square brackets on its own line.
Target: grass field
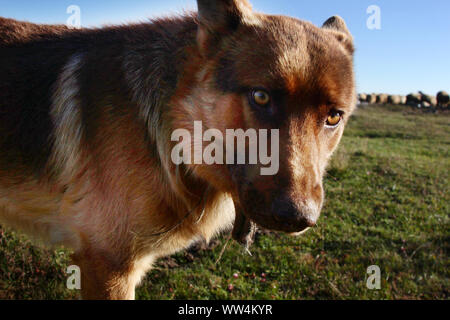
[387, 205]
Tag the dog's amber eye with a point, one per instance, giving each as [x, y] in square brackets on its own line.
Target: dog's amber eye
[260, 98]
[333, 119]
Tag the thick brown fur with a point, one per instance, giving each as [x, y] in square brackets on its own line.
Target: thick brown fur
[86, 118]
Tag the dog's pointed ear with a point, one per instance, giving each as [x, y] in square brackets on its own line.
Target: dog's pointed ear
[219, 17]
[339, 28]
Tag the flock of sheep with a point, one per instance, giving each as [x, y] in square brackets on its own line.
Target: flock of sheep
[419, 100]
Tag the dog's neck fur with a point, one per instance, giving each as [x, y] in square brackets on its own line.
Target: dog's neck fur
[153, 71]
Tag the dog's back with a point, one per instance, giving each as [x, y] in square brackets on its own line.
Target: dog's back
[13, 32]
[33, 58]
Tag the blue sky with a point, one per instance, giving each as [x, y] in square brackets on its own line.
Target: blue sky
[411, 52]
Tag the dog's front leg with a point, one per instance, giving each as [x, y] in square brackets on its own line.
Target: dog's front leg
[105, 279]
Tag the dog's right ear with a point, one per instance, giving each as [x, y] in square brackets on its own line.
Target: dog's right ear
[219, 17]
[337, 25]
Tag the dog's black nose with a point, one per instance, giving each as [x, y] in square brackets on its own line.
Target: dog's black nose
[285, 211]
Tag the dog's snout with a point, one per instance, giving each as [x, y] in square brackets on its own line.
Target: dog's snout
[297, 215]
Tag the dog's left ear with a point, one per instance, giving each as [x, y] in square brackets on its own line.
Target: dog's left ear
[217, 18]
[337, 25]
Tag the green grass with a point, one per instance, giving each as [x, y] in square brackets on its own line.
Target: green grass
[387, 205]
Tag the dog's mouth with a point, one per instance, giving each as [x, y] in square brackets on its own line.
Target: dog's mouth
[244, 229]
[253, 212]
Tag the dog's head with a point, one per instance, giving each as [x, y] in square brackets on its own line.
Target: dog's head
[274, 72]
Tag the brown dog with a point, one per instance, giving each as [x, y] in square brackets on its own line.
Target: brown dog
[86, 118]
